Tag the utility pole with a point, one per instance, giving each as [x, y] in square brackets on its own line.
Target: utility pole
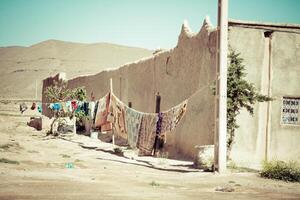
[221, 91]
[157, 110]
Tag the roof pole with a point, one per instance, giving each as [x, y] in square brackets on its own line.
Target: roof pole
[221, 122]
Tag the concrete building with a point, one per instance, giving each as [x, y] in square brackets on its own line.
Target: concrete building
[271, 53]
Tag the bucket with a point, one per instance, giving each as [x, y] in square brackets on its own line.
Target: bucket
[94, 135]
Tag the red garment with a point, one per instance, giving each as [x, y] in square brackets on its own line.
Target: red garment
[74, 105]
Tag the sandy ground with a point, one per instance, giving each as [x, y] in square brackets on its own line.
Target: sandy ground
[98, 173]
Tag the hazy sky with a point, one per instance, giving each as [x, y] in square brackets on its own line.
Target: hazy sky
[142, 23]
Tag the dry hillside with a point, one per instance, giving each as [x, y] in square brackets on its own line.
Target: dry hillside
[21, 67]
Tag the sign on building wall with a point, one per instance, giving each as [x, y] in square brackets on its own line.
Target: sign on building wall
[290, 111]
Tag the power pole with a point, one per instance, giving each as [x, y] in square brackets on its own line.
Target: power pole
[157, 110]
[221, 99]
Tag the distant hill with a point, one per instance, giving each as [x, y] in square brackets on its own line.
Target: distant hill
[21, 67]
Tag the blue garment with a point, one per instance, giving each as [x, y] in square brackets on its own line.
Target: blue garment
[55, 106]
[80, 106]
[86, 108]
[39, 108]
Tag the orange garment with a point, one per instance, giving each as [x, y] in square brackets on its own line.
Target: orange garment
[103, 111]
[106, 127]
[118, 116]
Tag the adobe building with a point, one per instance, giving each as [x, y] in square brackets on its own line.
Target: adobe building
[271, 54]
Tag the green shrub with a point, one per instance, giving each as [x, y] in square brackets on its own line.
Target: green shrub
[59, 92]
[281, 170]
[241, 94]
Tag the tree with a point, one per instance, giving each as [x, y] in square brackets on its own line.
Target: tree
[240, 94]
[58, 93]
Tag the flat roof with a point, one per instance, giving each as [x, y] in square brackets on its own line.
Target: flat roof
[264, 25]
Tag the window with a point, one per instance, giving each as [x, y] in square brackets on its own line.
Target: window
[290, 111]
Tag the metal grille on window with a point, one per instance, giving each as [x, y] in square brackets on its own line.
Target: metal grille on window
[290, 111]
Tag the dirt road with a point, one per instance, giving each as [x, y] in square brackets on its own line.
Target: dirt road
[78, 167]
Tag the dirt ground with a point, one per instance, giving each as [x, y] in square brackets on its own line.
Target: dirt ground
[78, 167]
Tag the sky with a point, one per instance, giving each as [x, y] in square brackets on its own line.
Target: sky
[148, 24]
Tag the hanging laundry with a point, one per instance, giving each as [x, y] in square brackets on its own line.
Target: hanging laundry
[117, 116]
[33, 106]
[39, 108]
[172, 117]
[106, 127]
[23, 107]
[79, 106]
[103, 111]
[64, 107]
[85, 108]
[147, 134]
[133, 122]
[69, 106]
[55, 106]
[74, 105]
[91, 110]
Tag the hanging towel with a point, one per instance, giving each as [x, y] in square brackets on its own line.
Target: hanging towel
[106, 127]
[79, 106]
[69, 106]
[74, 105]
[133, 122]
[91, 109]
[23, 107]
[147, 134]
[55, 106]
[172, 117]
[39, 108]
[117, 116]
[64, 107]
[103, 111]
[86, 108]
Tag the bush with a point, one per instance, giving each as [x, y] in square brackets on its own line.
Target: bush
[241, 94]
[281, 170]
[59, 92]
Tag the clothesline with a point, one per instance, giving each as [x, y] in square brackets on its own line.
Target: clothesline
[139, 128]
[202, 88]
